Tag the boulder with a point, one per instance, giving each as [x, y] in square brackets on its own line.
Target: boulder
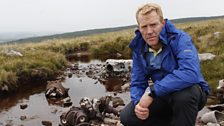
[206, 56]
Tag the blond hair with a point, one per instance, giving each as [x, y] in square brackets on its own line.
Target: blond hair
[148, 8]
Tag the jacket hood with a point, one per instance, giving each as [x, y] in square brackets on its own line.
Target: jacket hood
[167, 31]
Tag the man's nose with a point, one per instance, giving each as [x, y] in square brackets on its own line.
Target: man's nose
[149, 30]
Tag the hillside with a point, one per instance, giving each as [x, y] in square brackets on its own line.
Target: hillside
[46, 59]
[71, 34]
[104, 30]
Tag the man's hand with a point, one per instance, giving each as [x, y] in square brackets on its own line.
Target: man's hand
[141, 112]
[141, 109]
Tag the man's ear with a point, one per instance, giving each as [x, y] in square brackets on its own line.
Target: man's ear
[163, 22]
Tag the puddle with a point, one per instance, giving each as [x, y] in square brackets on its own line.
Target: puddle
[38, 107]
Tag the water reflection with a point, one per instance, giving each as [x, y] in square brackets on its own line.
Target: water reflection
[10, 100]
[39, 109]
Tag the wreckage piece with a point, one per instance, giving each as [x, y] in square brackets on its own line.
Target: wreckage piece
[96, 104]
[55, 89]
[121, 65]
[105, 106]
[97, 108]
[87, 106]
[74, 117]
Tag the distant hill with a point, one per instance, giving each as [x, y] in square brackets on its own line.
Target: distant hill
[193, 19]
[104, 30]
[71, 34]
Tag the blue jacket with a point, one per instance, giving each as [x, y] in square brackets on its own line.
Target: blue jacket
[180, 67]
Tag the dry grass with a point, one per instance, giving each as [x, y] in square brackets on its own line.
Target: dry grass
[47, 58]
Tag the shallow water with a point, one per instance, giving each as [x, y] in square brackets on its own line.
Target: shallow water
[39, 109]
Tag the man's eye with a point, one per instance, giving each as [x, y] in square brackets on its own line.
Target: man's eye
[143, 27]
[153, 25]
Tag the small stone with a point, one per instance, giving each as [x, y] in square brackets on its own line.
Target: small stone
[22, 118]
[119, 123]
[23, 106]
[5, 88]
[54, 111]
[212, 124]
[110, 121]
[117, 101]
[69, 75]
[67, 104]
[46, 123]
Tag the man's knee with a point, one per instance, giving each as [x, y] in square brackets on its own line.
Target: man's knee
[187, 96]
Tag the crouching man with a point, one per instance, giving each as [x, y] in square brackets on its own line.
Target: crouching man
[166, 56]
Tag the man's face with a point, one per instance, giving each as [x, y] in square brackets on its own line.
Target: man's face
[150, 27]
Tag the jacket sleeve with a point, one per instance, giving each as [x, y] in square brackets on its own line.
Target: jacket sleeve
[188, 70]
[138, 80]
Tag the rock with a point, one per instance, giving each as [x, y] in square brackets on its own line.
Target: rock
[105, 106]
[5, 88]
[68, 73]
[125, 87]
[23, 106]
[74, 66]
[212, 117]
[206, 56]
[13, 53]
[54, 111]
[216, 34]
[219, 107]
[62, 77]
[46, 123]
[9, 123]
[118, 55]
[119, 123]
[203, 111]
[212, 124]
[221, 84]
[102, 125]
[117, 101]
[110, 121]
[221, 123]
[22, 118]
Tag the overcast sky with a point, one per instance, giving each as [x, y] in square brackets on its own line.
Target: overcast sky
[76, 15]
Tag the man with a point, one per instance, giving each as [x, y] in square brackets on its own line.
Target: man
[166, 56]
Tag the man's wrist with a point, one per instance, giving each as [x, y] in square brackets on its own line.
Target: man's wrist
[150, 91]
